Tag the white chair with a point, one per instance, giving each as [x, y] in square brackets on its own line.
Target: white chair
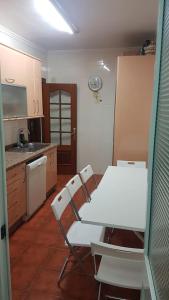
[78, 235]
[87, 174]
[119, 266]
[135, 164]
[73, 186]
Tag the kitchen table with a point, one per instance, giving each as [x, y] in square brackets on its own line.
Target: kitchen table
[120, 200]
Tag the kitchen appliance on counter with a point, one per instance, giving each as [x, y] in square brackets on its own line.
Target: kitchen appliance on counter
[36, 184]
[14, 100]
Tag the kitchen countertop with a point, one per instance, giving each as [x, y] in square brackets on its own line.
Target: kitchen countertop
[15, 158]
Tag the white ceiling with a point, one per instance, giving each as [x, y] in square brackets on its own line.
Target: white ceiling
[102, 23]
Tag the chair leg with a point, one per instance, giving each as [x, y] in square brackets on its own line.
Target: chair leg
[63, 269]
[99, 292]
[109, 237]
[79, 263]
[139, 236]
[114, 298]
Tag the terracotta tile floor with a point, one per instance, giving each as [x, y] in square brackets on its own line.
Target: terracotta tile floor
[37, 253]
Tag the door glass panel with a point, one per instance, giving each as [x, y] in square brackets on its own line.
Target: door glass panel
[65, 97]
[66, 138]
[54, 111]
[54, 124]
[54, 97]
[55, 137]
[66, 125]
[65, 111]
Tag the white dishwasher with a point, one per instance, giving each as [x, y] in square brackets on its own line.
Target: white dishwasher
[36, 184]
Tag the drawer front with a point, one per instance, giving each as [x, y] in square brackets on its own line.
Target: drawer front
[15, 174]
[16, 211]
[16, 193]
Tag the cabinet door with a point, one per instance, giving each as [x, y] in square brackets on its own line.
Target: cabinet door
[34, 87]
[31, 104]
[133, 107]
[51, 169]
[13, 65]
[38, 87]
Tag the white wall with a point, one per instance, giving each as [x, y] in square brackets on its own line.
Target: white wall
[11, 130]
[94, 120]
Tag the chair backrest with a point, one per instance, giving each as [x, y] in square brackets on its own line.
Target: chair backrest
[135, 164]
[117, 251]
[86, 173]
[74, 184]
[60, 203]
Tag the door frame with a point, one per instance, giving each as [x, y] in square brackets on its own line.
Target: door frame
[5, 283]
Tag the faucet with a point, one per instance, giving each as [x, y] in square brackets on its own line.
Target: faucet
[21, 138]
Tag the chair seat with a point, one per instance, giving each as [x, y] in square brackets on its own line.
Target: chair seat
[80, 234]
[121, 272]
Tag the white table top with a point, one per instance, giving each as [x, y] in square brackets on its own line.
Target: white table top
[120, 200]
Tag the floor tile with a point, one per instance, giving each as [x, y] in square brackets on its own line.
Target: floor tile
[22, 276]
[46, 280]
[56, 259]
[38, 295]
[34, 256]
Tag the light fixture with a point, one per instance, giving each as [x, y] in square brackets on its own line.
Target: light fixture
[106, 68]
[102, 65]
[52, 13]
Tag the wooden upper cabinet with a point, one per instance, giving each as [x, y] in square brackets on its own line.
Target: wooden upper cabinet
[38, 86]
[134, 92]
[22, 70]
[13, 66]
[34, 87]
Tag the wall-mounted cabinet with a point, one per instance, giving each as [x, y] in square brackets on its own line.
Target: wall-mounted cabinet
[34, 87]
[22, 70]
[13, 66]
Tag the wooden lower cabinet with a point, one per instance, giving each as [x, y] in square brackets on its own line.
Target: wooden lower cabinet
[51, 169]
[16, 193]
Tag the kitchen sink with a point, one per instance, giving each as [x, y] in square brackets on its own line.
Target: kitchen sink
[29, 147]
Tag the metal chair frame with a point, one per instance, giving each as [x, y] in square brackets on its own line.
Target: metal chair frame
[85, 174]
[59, 204]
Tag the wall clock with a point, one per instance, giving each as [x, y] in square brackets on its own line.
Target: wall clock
[95, 83]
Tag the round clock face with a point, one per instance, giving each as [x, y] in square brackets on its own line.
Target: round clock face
[95, 83]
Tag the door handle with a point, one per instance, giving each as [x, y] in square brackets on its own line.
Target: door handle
[10, 80]
[74, 131]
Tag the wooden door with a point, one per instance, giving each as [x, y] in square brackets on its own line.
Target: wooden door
[133, 107]
[60, 123]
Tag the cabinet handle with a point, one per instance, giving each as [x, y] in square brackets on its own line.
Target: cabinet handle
[34, 102]
[10, 80]
[38, 106]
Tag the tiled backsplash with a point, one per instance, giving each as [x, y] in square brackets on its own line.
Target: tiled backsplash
[11, 130]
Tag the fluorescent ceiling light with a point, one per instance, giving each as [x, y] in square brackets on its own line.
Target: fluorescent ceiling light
[51, 15]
